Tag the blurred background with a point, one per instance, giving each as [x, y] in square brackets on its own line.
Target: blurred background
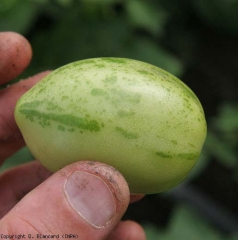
[197, 41]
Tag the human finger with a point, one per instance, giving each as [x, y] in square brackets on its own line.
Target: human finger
[129, 230]
[10, 137]
[136, 197]
[15, 55]
[86, 199]
[16, 182]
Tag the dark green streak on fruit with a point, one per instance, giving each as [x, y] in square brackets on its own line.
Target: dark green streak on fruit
[33, 104]
[115, 60]
[81, 63]
[111, 79]
[126, 96]
[123, 113]
[100, 65]
[163, 155]
[126, 134]
[98, 92]
[186, 156]
[65, 119]
[145, 72]
[61, 128]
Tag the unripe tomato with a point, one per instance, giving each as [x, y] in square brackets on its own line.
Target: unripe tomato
[129, 114]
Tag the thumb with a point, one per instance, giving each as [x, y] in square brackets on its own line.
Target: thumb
[86, 199]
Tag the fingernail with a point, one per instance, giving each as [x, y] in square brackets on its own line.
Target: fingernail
[91, 198]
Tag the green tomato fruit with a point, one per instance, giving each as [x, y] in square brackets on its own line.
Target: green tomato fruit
[129, 114]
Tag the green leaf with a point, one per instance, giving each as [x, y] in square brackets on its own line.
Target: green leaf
[22, 156]
[146, 50]
[65, 3]
[220, 14]
[185, 224]
[6, 5]
[145, 15]
[227, 120]
[18, 17]
[222, 150]
[223, 136]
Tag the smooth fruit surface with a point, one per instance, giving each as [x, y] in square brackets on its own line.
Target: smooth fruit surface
[129, 114]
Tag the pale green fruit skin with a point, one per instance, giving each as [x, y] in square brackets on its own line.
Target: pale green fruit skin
[131, 115]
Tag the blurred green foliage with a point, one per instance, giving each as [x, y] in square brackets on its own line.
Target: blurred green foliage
[158, 32]
[187, 225]
[222, 140]
[221, 14]
[20, 157]
[85, 29]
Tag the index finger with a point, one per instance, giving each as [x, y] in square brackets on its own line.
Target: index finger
[15, 55]
[10, 137]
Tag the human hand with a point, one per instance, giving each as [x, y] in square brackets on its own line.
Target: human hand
[85, 199]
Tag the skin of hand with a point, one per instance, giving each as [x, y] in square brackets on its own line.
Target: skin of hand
[86, 198]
